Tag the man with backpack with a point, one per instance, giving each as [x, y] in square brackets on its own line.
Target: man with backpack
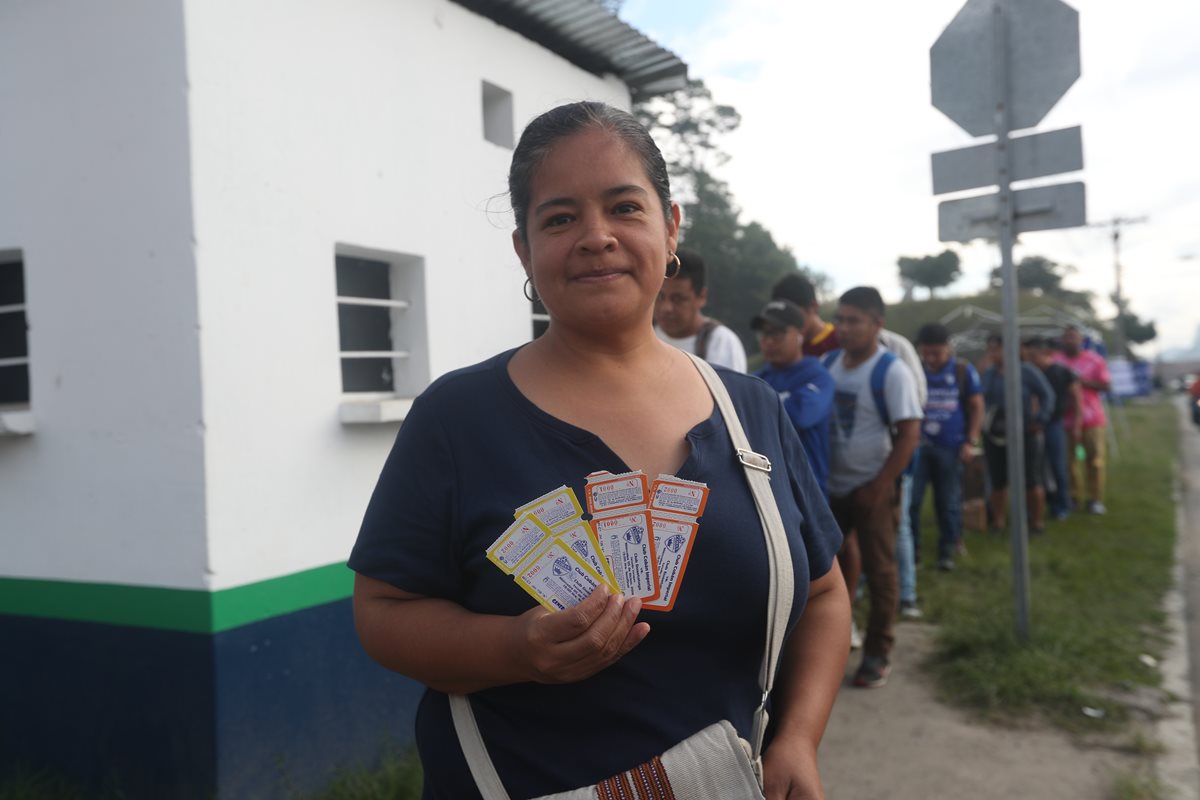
[876, 427]
[678, 319]
[820, 337]
[949, 435]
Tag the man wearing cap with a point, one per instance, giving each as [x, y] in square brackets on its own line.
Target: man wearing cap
[804, 386]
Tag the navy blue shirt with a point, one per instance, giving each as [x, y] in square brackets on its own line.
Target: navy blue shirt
[1033, 385]
[474, 448]
[806, 389]
[945, 422]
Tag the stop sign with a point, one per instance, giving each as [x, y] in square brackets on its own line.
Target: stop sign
[1042, 43]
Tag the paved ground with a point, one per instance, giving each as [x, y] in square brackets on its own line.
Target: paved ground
[900, 743]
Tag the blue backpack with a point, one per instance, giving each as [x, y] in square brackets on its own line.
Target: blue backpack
[878, 377]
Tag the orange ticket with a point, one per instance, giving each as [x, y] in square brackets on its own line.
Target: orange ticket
[613, 492]
[677, 496]
[673, 540]
[628, 545]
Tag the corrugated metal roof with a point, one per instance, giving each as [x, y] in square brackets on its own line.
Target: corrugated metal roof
[586, 34]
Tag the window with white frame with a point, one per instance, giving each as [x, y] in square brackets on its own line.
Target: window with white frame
[381, 323]
[14, 338]
[498, 115]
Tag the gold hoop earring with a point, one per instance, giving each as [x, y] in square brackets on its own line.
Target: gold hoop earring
[529, 291]
[673, 266]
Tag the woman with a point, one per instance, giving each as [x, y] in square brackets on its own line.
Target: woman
[571, 698]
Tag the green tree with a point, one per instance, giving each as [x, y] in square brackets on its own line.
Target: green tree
[1044, 278]
[932, 272]
[688, 125]
[1137, 330]
[743, 259]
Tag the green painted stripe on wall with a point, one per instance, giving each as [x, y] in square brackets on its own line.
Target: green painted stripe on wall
[186, 610]
[140, 606]
[241, 605]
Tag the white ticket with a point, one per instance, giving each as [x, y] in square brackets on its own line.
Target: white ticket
[578, 536]
[673, 539]
[557, 578]
[628, 545]
[553, 508]
[611, 492]
[678, 496]
[521, 539]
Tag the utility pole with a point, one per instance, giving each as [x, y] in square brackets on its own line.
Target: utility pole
[1116, 224]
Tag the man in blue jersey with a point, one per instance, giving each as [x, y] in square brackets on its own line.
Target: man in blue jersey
[804, 386]
[949, 435]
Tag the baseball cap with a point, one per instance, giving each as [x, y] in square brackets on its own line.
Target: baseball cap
[781, 313]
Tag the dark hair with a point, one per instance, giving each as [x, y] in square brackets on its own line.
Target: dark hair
[796, 288]
[933, 333]
[864, 298]
[540, 136]
[691, 266]
[1035, 341]
[995, 338]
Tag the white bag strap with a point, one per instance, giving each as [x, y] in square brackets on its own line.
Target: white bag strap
[781, 580]
[482, 768]
[780, 591]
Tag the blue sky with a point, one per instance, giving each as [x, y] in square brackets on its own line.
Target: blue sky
[833, 152]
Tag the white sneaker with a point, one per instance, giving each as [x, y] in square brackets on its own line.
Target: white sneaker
[855, 636]
[1096, 507]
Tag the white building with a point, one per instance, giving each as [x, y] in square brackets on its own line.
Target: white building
[241, 234]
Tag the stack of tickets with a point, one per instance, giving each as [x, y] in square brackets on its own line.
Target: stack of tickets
[551, 552]
[638, 541]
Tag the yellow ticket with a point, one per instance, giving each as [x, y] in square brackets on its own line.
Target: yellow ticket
[578, 536]
[628, 545]
[557, 577]
[553, 508]
[521, 539]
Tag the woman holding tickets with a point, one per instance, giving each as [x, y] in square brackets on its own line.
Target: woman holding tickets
[571, 698]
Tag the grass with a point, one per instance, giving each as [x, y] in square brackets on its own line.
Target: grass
[1138, 786]
[396, 778]
[1097, 584]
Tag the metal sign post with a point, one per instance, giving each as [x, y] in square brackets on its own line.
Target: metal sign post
[1001, 65]
[1014, 416]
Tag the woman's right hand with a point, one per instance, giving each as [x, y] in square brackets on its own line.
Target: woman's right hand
[571, 645]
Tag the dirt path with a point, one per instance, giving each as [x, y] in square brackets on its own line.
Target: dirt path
[899, 743]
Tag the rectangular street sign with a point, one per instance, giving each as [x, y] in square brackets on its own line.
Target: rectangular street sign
[1038, 209]
[1033, 156]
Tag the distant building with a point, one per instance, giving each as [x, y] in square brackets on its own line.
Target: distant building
[236, 238]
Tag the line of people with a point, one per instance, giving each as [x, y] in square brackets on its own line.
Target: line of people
[881, 421]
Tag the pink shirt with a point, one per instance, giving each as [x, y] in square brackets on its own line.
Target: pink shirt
[1089, 366]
